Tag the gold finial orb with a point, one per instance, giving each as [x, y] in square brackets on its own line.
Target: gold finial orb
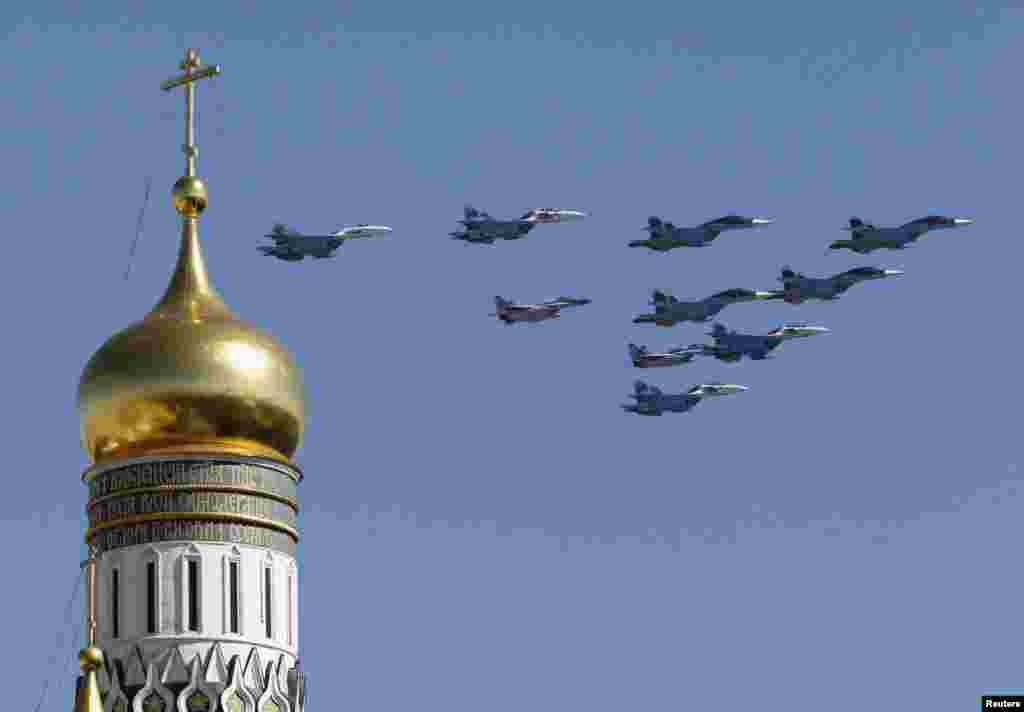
[189, 196]
[90, 658]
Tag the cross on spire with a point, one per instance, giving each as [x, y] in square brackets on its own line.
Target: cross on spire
[193, 73]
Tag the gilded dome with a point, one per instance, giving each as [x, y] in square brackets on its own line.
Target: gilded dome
[191, 376]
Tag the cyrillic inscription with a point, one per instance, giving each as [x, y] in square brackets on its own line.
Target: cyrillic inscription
[265, 479]
[191, 503]
[188, 530]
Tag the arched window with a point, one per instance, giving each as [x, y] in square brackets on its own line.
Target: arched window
[191, 591]
[115, 602]
[267, 604]
[290, 613]
[151, 610]
[233, 592]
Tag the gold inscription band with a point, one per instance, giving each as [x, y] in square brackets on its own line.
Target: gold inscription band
[194, 488]
[211, 516]
[218, 532]
[172, 503]
[265, 478]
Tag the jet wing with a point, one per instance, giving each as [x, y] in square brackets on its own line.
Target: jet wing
[871, 242]
[851, 275]
[864, 229]
[711, 230]
[565, 302]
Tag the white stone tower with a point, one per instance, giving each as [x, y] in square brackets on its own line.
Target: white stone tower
[191, 417]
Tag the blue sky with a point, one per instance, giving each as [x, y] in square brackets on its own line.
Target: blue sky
[484, 528]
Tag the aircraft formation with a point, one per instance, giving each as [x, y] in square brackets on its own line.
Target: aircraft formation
[478, 227]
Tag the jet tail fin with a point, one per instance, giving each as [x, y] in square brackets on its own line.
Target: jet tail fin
[636, 351]
[642, 390]
[281, 230]
[856, 223]
[660, 298]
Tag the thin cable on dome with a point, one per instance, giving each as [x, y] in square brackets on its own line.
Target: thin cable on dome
[138, 227]
[61, 642]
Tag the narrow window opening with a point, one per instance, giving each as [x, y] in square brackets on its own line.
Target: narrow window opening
[151, 597]
[115, 603]
[233, 594]
[290, 613]
[193, 595]
[266, 603]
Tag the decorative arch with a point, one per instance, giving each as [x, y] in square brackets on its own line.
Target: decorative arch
[196, 697]
[272, 700]
[235, 697]
[153, 697]
[116, 700]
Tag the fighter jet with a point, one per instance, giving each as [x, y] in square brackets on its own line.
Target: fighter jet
[865, 237]
[479, 227]
[732, 346]
[292, 246]
[650, 400]
[642, 358]
[511, 312]
[669, 311]
[798, 288]
[665, 236]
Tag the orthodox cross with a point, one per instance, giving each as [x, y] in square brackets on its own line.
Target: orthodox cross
[193, 72]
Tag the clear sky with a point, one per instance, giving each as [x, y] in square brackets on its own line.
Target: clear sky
[484, 528]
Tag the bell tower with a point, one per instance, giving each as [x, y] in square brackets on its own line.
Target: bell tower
[190, 418]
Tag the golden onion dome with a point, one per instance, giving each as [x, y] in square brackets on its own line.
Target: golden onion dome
[191, 377]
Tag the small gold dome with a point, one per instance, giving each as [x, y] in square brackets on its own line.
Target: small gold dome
[191, 376]
[90, 658]
[189, 196]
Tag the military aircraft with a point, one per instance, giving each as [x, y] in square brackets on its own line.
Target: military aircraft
[650, 400]
[732, 346]
[511, 312]
[798, 288]
[665, 236]
[292, 246]
[479, 227]
[642, 358]
[669, 311]
[865, 237]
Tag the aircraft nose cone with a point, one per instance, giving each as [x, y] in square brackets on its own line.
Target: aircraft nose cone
[962, 221]
[893, 272]
[762, 221]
